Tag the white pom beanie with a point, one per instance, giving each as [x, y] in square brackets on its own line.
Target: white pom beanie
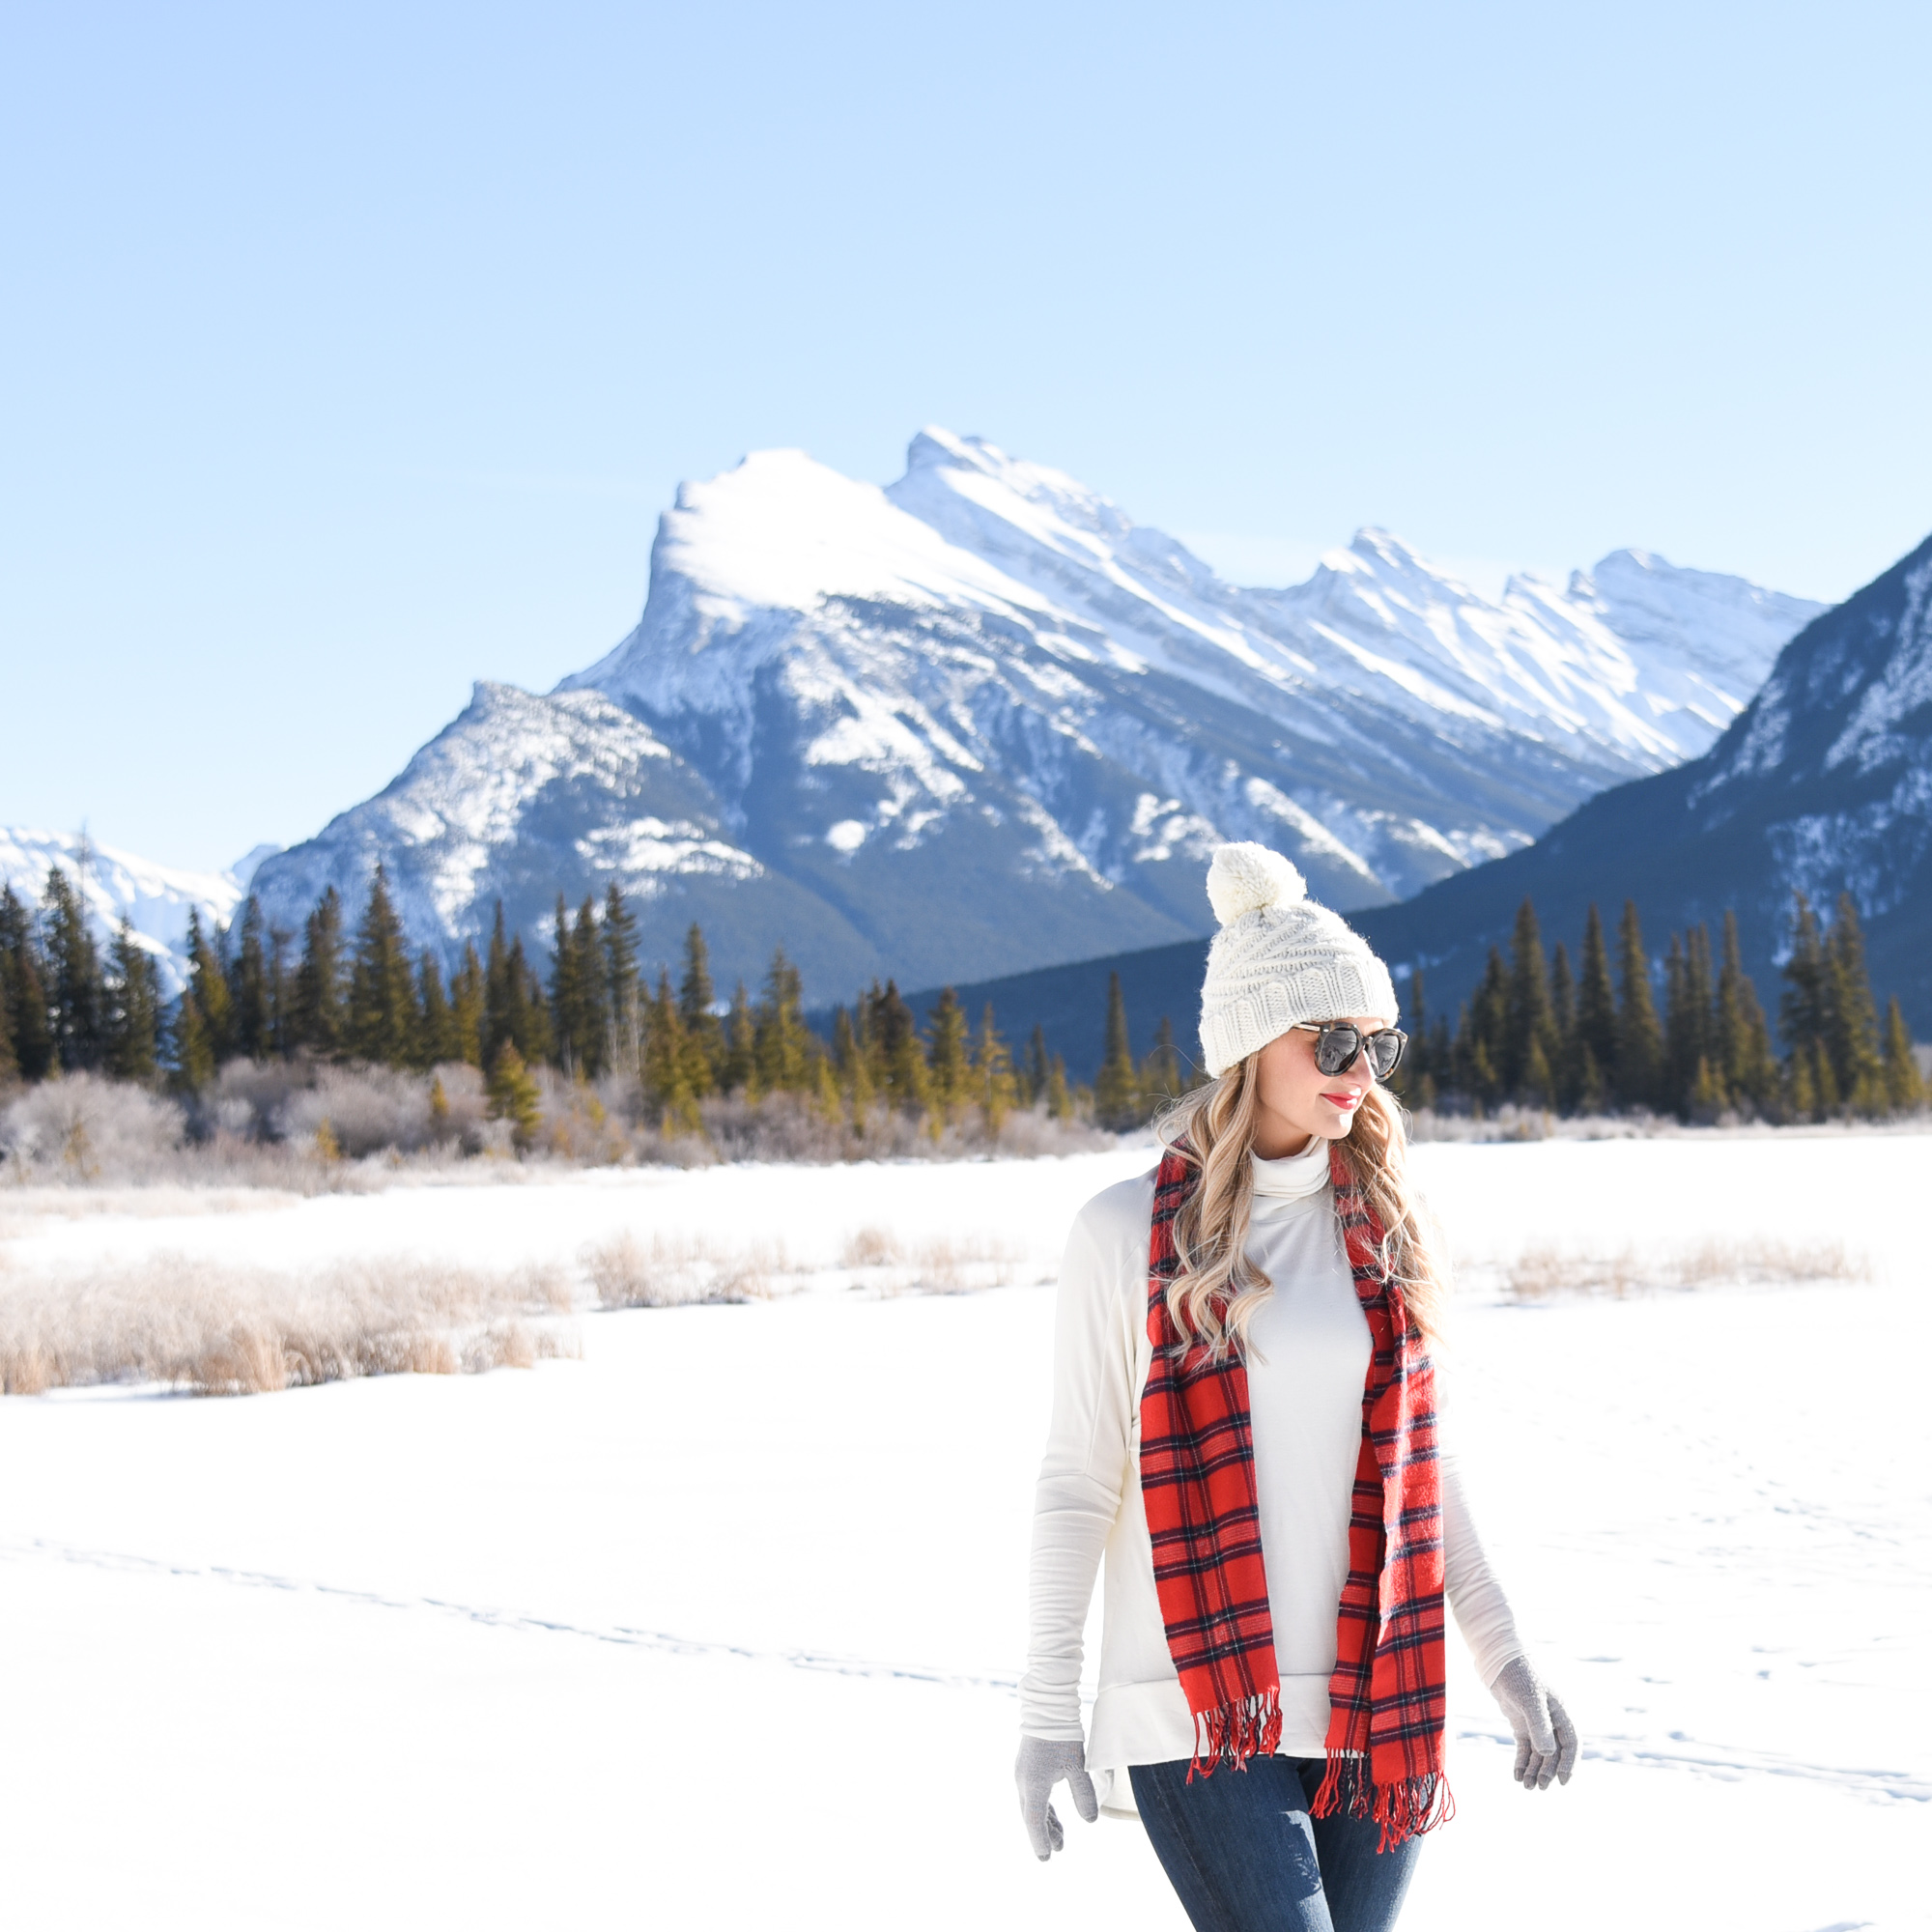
[1278, 959]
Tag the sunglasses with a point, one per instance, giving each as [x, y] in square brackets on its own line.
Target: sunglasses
[1338, 1046]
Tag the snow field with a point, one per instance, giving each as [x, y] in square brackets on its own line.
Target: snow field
[719, 1624]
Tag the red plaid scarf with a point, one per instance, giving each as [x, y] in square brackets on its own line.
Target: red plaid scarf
[1386, 1696]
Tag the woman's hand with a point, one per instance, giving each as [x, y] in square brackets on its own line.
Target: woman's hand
[1545, 1740]
[1041, 1764]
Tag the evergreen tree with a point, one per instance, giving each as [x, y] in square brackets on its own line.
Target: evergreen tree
[1851, 1016]
[1804, 1014]
[1596, 1017]
[667, 1063]
[1059, 1094]
[192, 1045]
[1681, 1057]
[247, 969]
[207, 983]
[529, 1010]
[855, 1074]
[1742, 1057]
[1562, 995]
[134, 1009]
[623, 989]
[1693, 1084]
[1160, 1078]
[1568, 1067]
[1117, 1101]
[1479, 1039]
[780, 1045]
[1529, 1033]
[515, 1008]
[382, 1027]
[513, 1095]
[695, 997]
[565, 999]
[1414, 1080]
[1034, 1075]
[15, 939]
[281, 993]
[738, 1058]
[27, 1001]
[898, 1053]
[501, 995]
[466, 1008]
[865, 1014]
[1800, 1086]
[827, 1099]
[76, 991]
[579, 1012]
[436, 1042]
[948, 1059]
[1904, 1085]
[1639, 1078]
[1701, 982]
[995, 1086]
[320, 1004]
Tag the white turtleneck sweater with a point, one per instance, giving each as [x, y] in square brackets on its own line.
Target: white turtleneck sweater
[1308, 1358]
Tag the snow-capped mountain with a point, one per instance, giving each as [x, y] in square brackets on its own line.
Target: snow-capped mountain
[979, 721]
[156, 899]
[1824, 786]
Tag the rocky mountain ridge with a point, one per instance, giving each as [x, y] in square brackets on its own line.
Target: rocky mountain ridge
[980, 721]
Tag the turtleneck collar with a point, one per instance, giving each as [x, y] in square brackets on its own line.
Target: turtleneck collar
[1297, 1177]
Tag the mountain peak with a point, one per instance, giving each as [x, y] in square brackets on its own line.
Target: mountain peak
[980, 720]
[783, 531]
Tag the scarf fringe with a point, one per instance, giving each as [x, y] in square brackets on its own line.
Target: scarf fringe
[1234, 1733]
[1405, 1809]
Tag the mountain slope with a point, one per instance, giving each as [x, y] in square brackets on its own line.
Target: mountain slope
[1824, 786]
[980, 721]
[522, 797]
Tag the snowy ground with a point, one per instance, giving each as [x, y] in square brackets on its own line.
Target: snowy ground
[719, 1625]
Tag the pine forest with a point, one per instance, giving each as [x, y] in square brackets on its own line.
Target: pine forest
[1610, 1031]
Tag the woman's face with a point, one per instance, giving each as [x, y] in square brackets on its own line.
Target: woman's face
[1295, 1098]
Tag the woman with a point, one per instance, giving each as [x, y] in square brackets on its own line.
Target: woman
[1244, 1423]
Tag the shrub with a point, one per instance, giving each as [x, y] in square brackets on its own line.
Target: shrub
[235, 1331]
[679, 1271]
[84, 1128]
[1545, 1270]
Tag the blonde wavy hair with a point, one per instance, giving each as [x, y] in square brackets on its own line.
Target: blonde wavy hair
[1218, 1288]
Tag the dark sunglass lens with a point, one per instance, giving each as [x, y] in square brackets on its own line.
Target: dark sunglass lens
[1386, 1053]
[1336, 1048]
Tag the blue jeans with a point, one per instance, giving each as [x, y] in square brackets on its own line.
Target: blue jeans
[1244, 1855]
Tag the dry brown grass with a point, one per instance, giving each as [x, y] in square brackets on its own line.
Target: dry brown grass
[869, 1248]
[234, 1331]
[938, 1264]
[1541, 1272]
[680, 1271]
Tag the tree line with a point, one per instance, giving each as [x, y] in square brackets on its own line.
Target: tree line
[1539, 1032]
[1536, 1031]
[366, 995]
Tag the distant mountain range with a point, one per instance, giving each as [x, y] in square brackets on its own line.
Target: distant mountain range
[156, 898]
[979, 722]
[1822, 785]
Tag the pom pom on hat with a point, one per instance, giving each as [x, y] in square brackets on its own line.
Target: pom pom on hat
[1245, 877]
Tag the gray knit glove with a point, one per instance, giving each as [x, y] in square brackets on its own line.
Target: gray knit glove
[1545, 1740]
[1041, 1764]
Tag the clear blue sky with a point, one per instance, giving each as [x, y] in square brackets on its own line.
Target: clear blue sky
[349, 353]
